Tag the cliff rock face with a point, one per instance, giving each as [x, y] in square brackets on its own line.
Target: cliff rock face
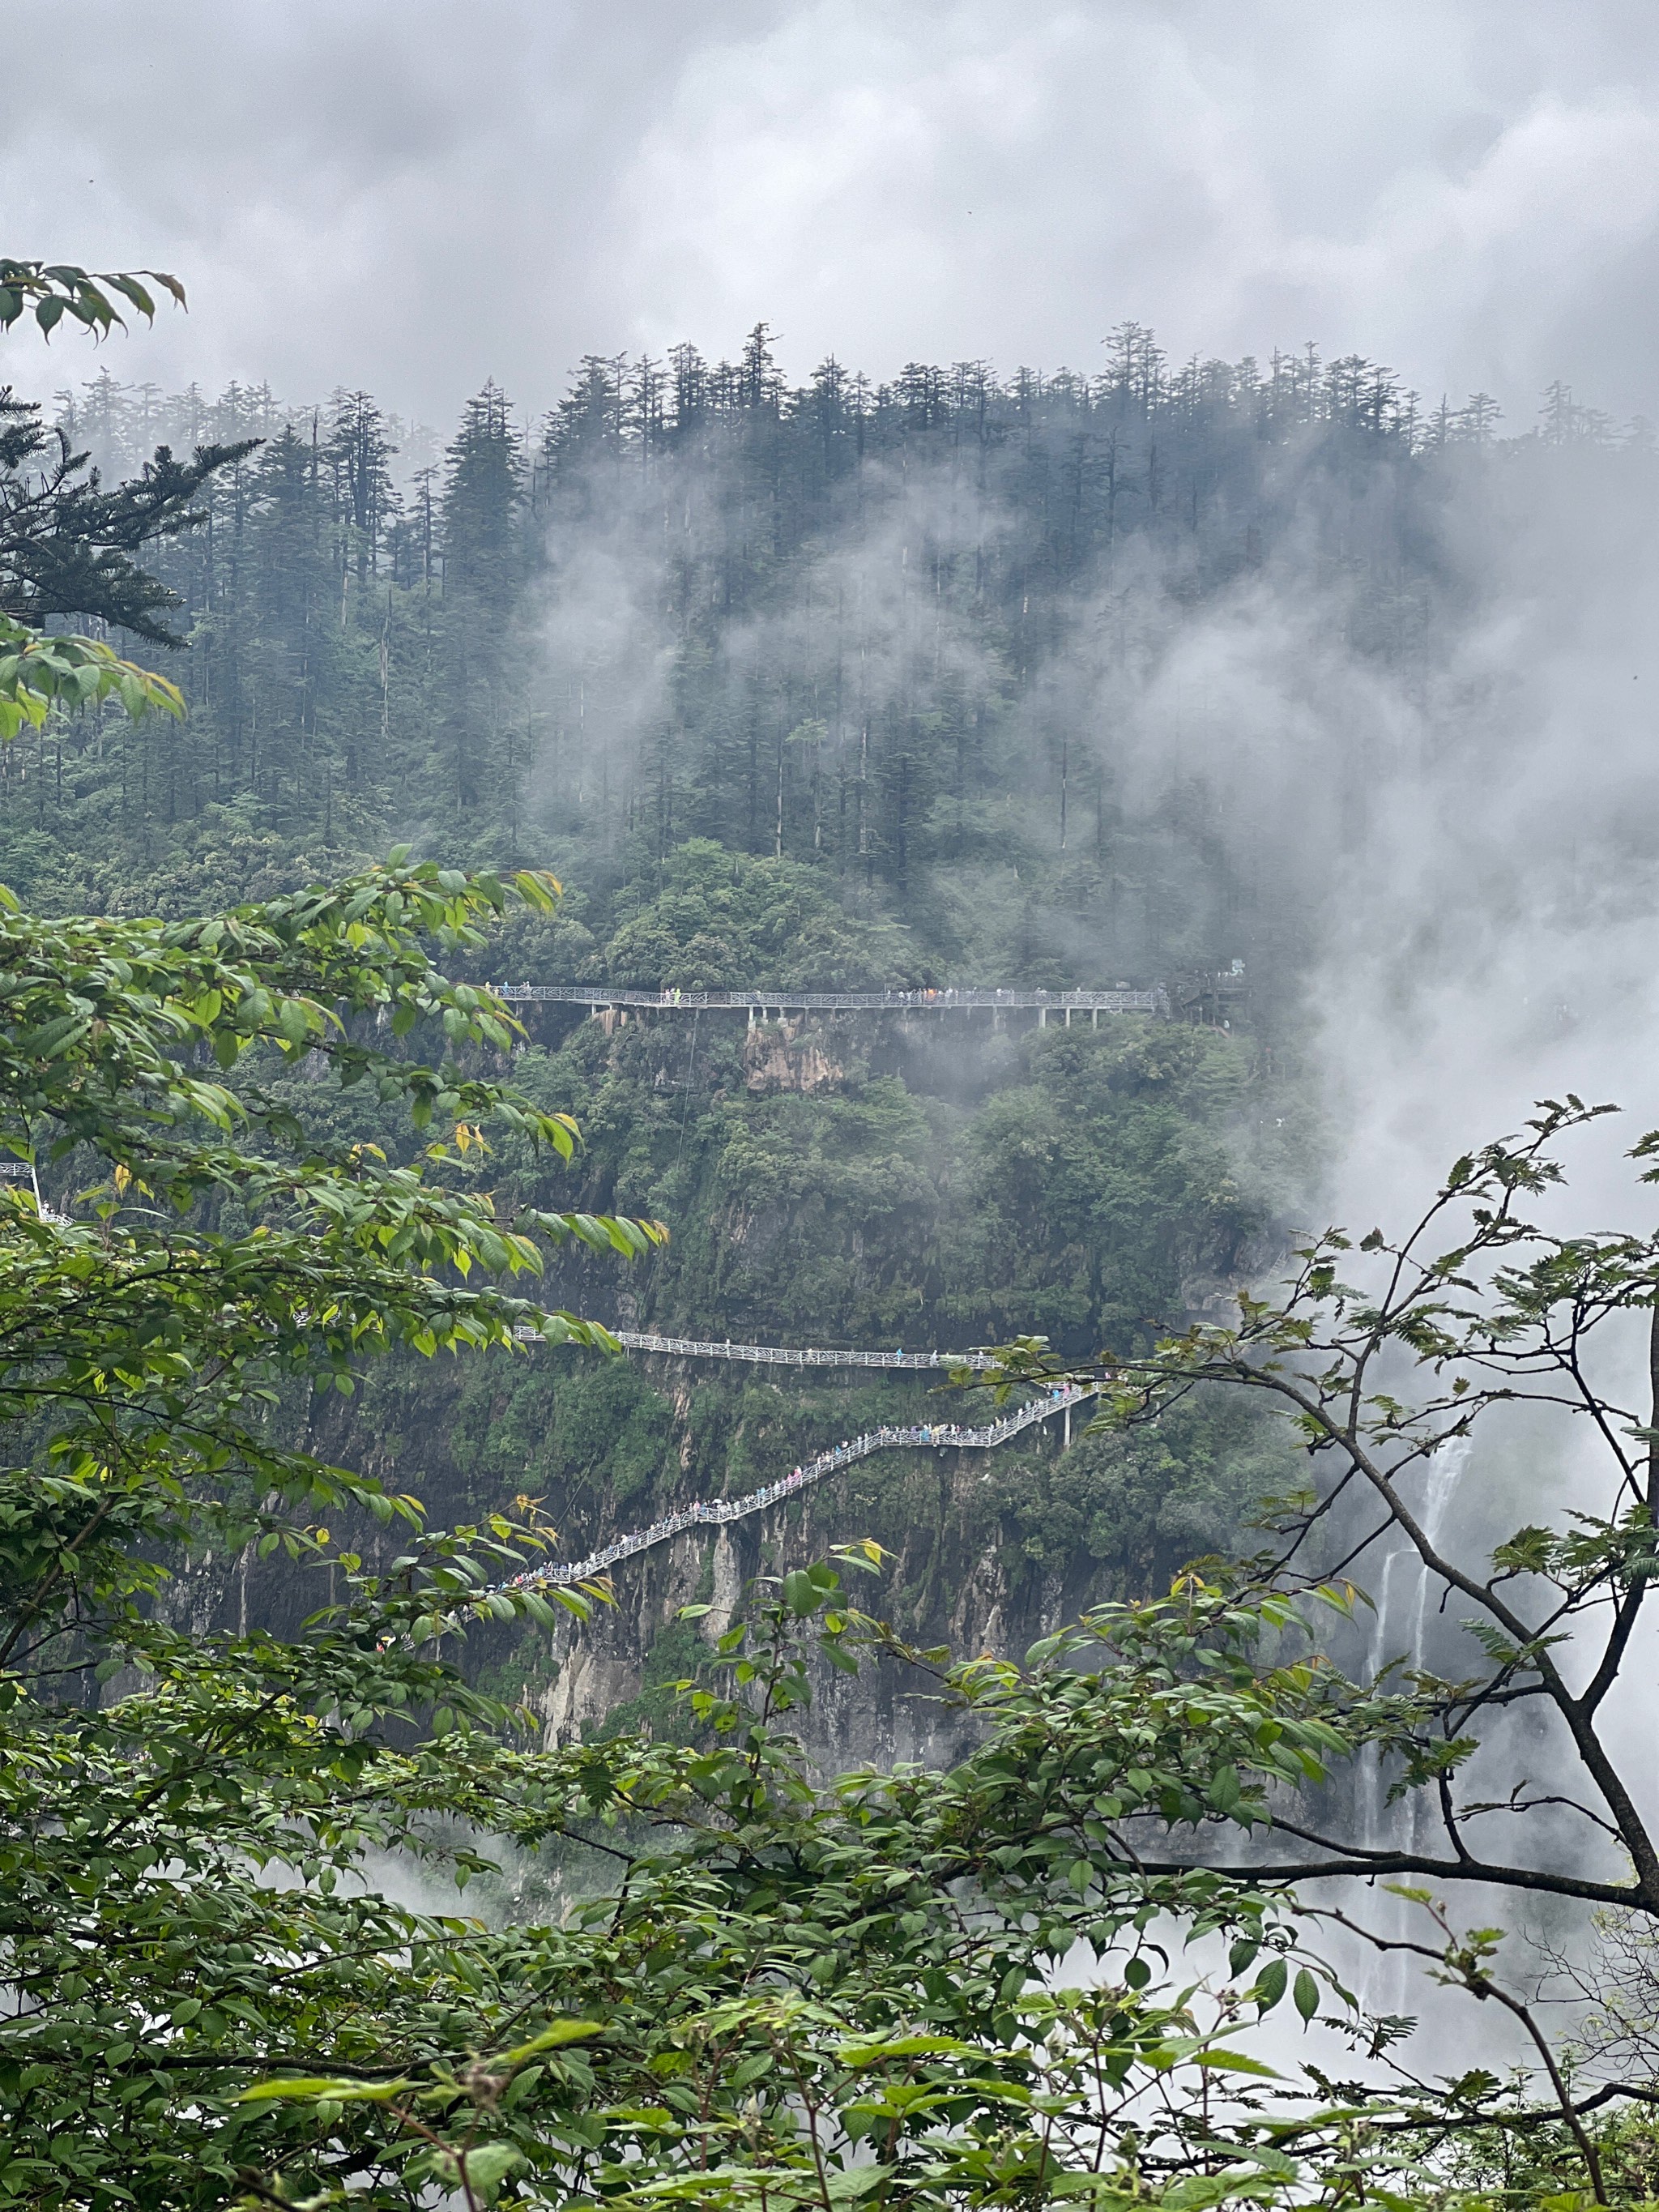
[777, 1057]
[828, 1182]
[943, 1582]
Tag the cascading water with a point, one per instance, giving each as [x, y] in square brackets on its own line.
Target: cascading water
[1402, 1599]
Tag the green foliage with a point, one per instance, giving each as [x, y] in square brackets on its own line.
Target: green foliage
[1099, 1191]
[150, 1776]
[1139, 1505]
[156, 1779]
[51, 290]
[595, 1427]
[825, 1995]
[789, 1988]
[65, 546]
[73, 671]
[1095, 1175]
[721, 920]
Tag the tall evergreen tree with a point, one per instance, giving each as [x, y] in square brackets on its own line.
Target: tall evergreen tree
[360, 452]
[485, 568]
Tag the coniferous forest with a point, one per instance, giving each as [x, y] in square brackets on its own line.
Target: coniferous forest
[884, 632]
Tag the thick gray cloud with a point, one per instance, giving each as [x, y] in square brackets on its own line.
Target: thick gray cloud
[415, 197]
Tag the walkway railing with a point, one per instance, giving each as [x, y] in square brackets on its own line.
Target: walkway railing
[789, 1355]
[20, 1171]
[717, 1512]
[774, 997]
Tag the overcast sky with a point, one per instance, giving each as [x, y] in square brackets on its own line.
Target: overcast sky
[416, 196]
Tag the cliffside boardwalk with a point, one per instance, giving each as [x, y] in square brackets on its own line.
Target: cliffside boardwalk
[717, 1512]
[758, 1003]
[789, 1355]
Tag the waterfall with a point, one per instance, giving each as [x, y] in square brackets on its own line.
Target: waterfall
[1397, 1631]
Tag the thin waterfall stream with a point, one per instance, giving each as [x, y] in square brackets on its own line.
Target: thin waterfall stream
[1398, 1628]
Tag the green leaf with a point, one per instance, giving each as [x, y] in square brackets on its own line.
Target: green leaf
[555, 2036]
[1270, 1984]
[1219, 2059]
[879, 2051]
[800, 1593]
[487, 2165]
[322, 2087]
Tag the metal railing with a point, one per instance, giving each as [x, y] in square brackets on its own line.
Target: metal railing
[760, 1000]
[718, 1512]
[21, 1172]
[789, 1355]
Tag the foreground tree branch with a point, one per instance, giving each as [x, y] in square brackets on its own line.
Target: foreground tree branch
[1477, 1308]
